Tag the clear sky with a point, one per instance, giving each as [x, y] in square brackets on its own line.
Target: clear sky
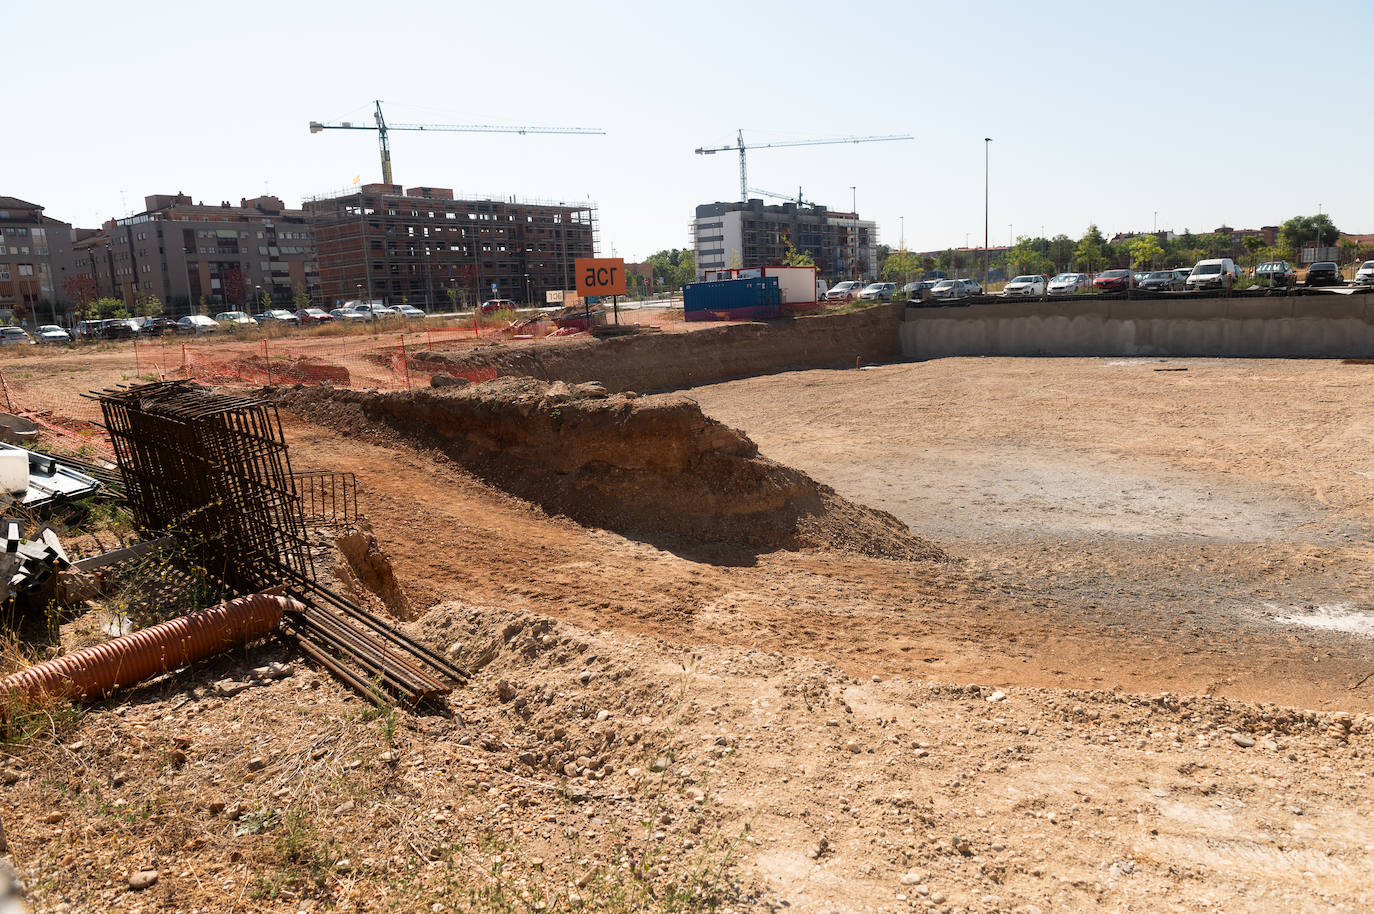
[1244, 113]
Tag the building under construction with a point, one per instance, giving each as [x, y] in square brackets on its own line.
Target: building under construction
[423, 247]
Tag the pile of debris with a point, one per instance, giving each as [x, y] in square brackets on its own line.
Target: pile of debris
[29, 566]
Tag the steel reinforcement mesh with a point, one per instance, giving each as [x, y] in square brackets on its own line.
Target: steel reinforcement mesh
[212, 468]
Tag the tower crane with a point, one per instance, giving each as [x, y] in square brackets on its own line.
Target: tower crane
[382, 127]
[741, 147]
[788, 197]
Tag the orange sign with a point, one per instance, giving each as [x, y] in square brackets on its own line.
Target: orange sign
[597, 276]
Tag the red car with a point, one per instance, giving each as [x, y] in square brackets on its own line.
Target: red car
[492, 305]
[1113, 281]
[314, 316]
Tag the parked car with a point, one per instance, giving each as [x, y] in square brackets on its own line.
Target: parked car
[1276, 272]
[948, 289]
[914, 288]
[878, 291]
[314, 316]
[196, 324]
[1211, 274]
[1323, 273]
[1365, 274]
[235, 319]
[843, 291]
[121, 328]
[1163, 281]
[373, 310]
[51, 333]
[408, 311]
[14, 336]
[1067, 283]
[1027, 285]
[156, 326]
[279, 315]
[492, 305]
[347, 314]
[1113, 281]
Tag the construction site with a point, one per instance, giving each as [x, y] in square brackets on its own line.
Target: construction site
[708, 617]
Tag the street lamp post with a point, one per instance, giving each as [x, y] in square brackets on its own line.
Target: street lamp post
[987, 145]
[529, 301]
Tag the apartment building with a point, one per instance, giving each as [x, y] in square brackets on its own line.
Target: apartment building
[422, 246]
[202, 256]
[35, 260]
[751, 234]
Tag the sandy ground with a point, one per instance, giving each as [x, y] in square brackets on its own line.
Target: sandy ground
[1211, 520]
[986, 734]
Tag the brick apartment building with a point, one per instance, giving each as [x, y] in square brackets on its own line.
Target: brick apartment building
[420, 245]
[752, 234]
[35, 260]
[193, 255]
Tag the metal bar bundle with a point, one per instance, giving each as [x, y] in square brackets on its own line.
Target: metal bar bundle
[213, 470]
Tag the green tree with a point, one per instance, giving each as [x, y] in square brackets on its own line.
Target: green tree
[109, 308]
[147, 305]
[1026, 257]
[884, 251]
[1060, 250]
[901, 266]
[1253, 245]
[673, 267]
[1145, 250]
[1088, 255]
[1217, 244]
[300, 297]
[1301, 230]
[792, 257]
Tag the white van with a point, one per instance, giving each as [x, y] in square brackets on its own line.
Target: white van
[1211, 274]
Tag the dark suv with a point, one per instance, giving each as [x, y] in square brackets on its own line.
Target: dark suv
[120, 329]
[1275, 271]
[1324, 273]
[156, 326]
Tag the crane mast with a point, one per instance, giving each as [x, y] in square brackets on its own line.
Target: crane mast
[741, 146]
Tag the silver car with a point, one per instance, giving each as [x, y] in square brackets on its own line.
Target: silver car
[878, 291]
[51, 333]
[949, 289]
[1067, 283]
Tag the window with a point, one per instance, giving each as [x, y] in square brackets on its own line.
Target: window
[25, 269]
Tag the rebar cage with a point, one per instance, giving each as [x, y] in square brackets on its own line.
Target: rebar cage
[214, 469]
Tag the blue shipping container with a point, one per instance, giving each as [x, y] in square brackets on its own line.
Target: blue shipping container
[732, 300]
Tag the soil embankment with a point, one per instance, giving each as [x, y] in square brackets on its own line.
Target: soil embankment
[653, 467]
[671, 361]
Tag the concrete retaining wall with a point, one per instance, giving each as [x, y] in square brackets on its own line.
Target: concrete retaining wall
[671, 361]
[1325, 326]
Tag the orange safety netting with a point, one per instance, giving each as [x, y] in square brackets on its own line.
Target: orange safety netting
[381, 361]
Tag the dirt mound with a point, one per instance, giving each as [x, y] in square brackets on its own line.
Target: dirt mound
[651, 467]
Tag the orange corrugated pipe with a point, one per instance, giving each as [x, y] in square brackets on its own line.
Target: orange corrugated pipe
[95, 672]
